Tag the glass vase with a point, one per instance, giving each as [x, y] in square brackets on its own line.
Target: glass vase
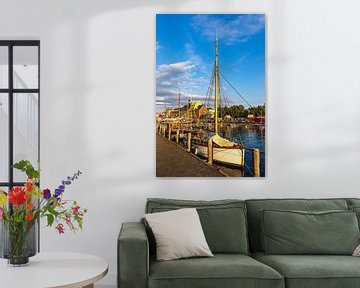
[18, 242]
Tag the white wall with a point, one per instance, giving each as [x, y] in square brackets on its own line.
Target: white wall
[98, 69]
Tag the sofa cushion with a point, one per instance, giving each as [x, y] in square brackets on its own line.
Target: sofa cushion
[356, 209]
[313, 271]
[254, 217]
[222, 270]
[223, 221]
[178, 234]
[297, 232]
[353, 201]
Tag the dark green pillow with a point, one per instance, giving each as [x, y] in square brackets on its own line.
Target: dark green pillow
[356, 209]
[299, 232]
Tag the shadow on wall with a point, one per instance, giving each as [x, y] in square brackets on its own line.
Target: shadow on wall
[65, 75]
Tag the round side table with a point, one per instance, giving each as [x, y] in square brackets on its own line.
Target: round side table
[50, 270]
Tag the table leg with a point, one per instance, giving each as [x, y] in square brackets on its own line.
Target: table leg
[89, 286]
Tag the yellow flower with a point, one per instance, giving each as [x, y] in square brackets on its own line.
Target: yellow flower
[3, 198]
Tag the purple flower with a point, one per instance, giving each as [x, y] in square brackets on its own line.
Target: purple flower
[58, 192]
[64, 183]
[46, 194]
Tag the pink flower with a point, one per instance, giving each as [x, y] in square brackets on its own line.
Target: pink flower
[76, 210]
[60, 228]
[1, 213]
[68, 219]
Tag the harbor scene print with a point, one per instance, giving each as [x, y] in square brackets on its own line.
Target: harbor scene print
[210, 95]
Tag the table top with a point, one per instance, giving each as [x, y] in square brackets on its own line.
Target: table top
[67, 270]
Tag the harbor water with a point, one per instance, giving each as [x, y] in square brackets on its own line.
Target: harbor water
[251, 136]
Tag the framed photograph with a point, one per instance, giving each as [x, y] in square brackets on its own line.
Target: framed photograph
[210, 95]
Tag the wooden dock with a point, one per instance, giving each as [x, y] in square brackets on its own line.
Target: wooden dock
[174, 161]
[171, 133]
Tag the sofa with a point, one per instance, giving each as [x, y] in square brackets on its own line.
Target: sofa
[234, 231]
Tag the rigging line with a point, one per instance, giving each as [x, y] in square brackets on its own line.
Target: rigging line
[226, 103]
[248, 169]
[225, 98]
[236, 91]
[222, 96]
[210, 91]
[207, 99]
[211, 84]
[210, 80]
[207, 75]
[220, 100]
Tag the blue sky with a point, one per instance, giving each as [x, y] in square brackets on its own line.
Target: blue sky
[185, 53]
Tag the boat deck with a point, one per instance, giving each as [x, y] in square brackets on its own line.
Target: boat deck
[173, 161]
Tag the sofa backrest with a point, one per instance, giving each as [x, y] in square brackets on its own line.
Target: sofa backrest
[353, 202]
[223, 221]
[256, 205]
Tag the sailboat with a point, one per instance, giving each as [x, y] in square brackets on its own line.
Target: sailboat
[224, 151]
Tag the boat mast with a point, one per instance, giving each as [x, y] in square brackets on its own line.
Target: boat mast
[179, 111]
[217, 87]
[189, 113]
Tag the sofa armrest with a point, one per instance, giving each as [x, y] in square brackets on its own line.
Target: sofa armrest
[133, 256]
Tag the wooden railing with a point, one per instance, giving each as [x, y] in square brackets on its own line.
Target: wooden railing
[165, 129]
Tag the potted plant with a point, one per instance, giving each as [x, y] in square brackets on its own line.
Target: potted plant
[21, 208]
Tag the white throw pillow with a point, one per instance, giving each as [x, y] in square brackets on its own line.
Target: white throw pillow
[178, 234]
[357, 251]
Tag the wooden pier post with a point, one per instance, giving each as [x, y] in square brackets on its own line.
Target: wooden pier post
[169, 133]
[210, 151]
[189, 142]
[177, 136]
[256, 161]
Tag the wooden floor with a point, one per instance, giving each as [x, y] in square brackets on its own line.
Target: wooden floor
[173, 161]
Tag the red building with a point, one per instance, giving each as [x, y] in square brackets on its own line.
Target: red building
[259, 119]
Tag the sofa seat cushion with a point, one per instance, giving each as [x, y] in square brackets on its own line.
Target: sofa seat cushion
[222, 270]
[313, 271]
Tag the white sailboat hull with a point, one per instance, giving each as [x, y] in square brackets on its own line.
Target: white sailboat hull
[228, 156]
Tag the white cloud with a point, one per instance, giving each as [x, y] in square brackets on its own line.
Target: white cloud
[174, 76]
[171, 79]
[231, 29]
[181, 77]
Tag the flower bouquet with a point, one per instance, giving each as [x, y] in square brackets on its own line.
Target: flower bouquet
[21, 208]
